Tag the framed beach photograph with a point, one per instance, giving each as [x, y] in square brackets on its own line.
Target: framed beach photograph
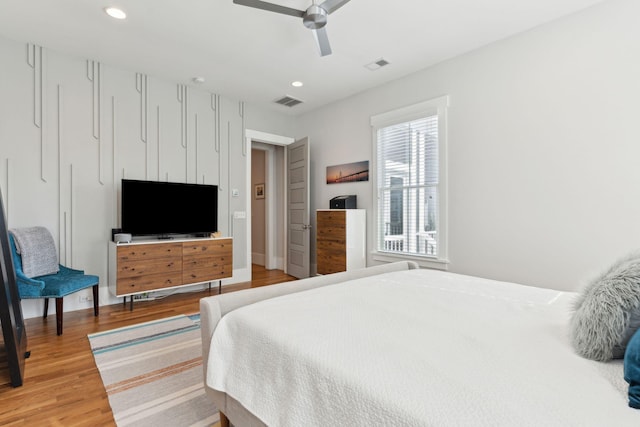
[259, 193]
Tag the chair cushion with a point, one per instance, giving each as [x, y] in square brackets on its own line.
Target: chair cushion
[61, 284]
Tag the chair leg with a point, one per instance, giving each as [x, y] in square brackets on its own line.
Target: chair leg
[96, 304]
[59, 311]
[46, 308]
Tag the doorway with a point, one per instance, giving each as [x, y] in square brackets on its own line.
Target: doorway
[258, 203]
[273, 147]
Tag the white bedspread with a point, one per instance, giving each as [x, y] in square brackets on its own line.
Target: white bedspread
[413, 348]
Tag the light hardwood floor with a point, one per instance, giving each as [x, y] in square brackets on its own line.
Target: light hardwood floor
[62, 386]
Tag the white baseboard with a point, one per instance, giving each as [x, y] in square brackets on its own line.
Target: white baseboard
[239, 275]
[258, 259]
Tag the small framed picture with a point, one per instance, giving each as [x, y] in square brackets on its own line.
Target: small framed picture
[259, 191]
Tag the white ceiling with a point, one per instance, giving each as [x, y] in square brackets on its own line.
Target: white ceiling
[254, 55]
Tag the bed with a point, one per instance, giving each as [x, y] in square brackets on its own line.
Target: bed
[398, 345]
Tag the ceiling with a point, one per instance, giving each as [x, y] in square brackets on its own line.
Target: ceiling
[254, 55]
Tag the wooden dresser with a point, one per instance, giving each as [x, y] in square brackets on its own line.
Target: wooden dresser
[340, 240]
[147, 266]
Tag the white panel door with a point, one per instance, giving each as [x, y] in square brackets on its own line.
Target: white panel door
[298, 224]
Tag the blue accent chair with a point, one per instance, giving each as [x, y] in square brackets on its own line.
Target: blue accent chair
[64, 282]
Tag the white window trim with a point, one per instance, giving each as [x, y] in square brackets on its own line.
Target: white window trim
[405, 114]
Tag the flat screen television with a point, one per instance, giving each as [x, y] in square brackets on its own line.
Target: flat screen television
[152, 208]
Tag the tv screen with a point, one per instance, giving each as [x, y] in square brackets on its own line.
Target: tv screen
[162, 208]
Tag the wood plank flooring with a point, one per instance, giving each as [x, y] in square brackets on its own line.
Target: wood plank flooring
[62, 386]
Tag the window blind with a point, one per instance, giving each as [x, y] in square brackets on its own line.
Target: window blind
[408, 187]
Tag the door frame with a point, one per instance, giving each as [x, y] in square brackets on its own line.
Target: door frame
[270, 204]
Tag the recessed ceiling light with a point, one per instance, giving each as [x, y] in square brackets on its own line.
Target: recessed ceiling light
[198, 80]
[114, 12]
[297, 84]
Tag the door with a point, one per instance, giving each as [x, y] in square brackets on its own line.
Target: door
[298, 225]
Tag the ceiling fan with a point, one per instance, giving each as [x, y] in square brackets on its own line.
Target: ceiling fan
[314, 18]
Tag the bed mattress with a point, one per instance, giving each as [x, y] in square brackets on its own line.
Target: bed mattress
[414, 348]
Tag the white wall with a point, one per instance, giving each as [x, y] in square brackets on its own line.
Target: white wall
[70, 129]
[544, 145]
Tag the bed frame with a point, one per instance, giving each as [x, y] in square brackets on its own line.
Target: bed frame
[212, 309]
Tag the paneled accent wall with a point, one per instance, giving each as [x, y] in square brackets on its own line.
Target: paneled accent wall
[71, 129]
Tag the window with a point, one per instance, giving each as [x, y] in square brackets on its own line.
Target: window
[409, 172]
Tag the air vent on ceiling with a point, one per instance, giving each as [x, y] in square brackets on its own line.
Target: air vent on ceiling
[288, 101]
[376, 65]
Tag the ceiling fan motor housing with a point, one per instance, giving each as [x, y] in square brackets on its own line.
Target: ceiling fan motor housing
[315, 17]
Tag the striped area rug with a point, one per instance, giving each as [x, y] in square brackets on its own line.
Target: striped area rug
[153, 373]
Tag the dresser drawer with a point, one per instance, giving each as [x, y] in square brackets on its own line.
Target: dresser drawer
[206, 274]
[331, 219]
[150, 251]
[330, 262]
[191, 263]
[143, 267]
[206, 248]
[151, 282]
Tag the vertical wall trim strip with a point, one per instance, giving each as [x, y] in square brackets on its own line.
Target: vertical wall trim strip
[212, 105]
[99, 99]
[100, 144]
[146, 107]
[196, 143]
[38, 100]
[34, 60]
[142, 87]
[7, 191]
[218, 141]
[186, 116]
[229, 176]
[63, 249]
[59, 142]
[94, 75]
[158, 137]
[71, 215]
[116, 220]
[244, 142]
[42, 119]
[183, 100]
[180, 97]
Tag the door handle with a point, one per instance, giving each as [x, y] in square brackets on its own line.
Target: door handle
[306, 226]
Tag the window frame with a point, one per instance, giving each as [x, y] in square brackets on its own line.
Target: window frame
[438, 106]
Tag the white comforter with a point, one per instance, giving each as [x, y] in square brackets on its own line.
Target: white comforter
[414, 348]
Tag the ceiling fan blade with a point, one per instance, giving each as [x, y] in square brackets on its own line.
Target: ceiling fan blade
[323, 41]
[332, 5]
[258, 4]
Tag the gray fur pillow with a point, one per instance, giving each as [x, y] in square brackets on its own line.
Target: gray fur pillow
[608, 311]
